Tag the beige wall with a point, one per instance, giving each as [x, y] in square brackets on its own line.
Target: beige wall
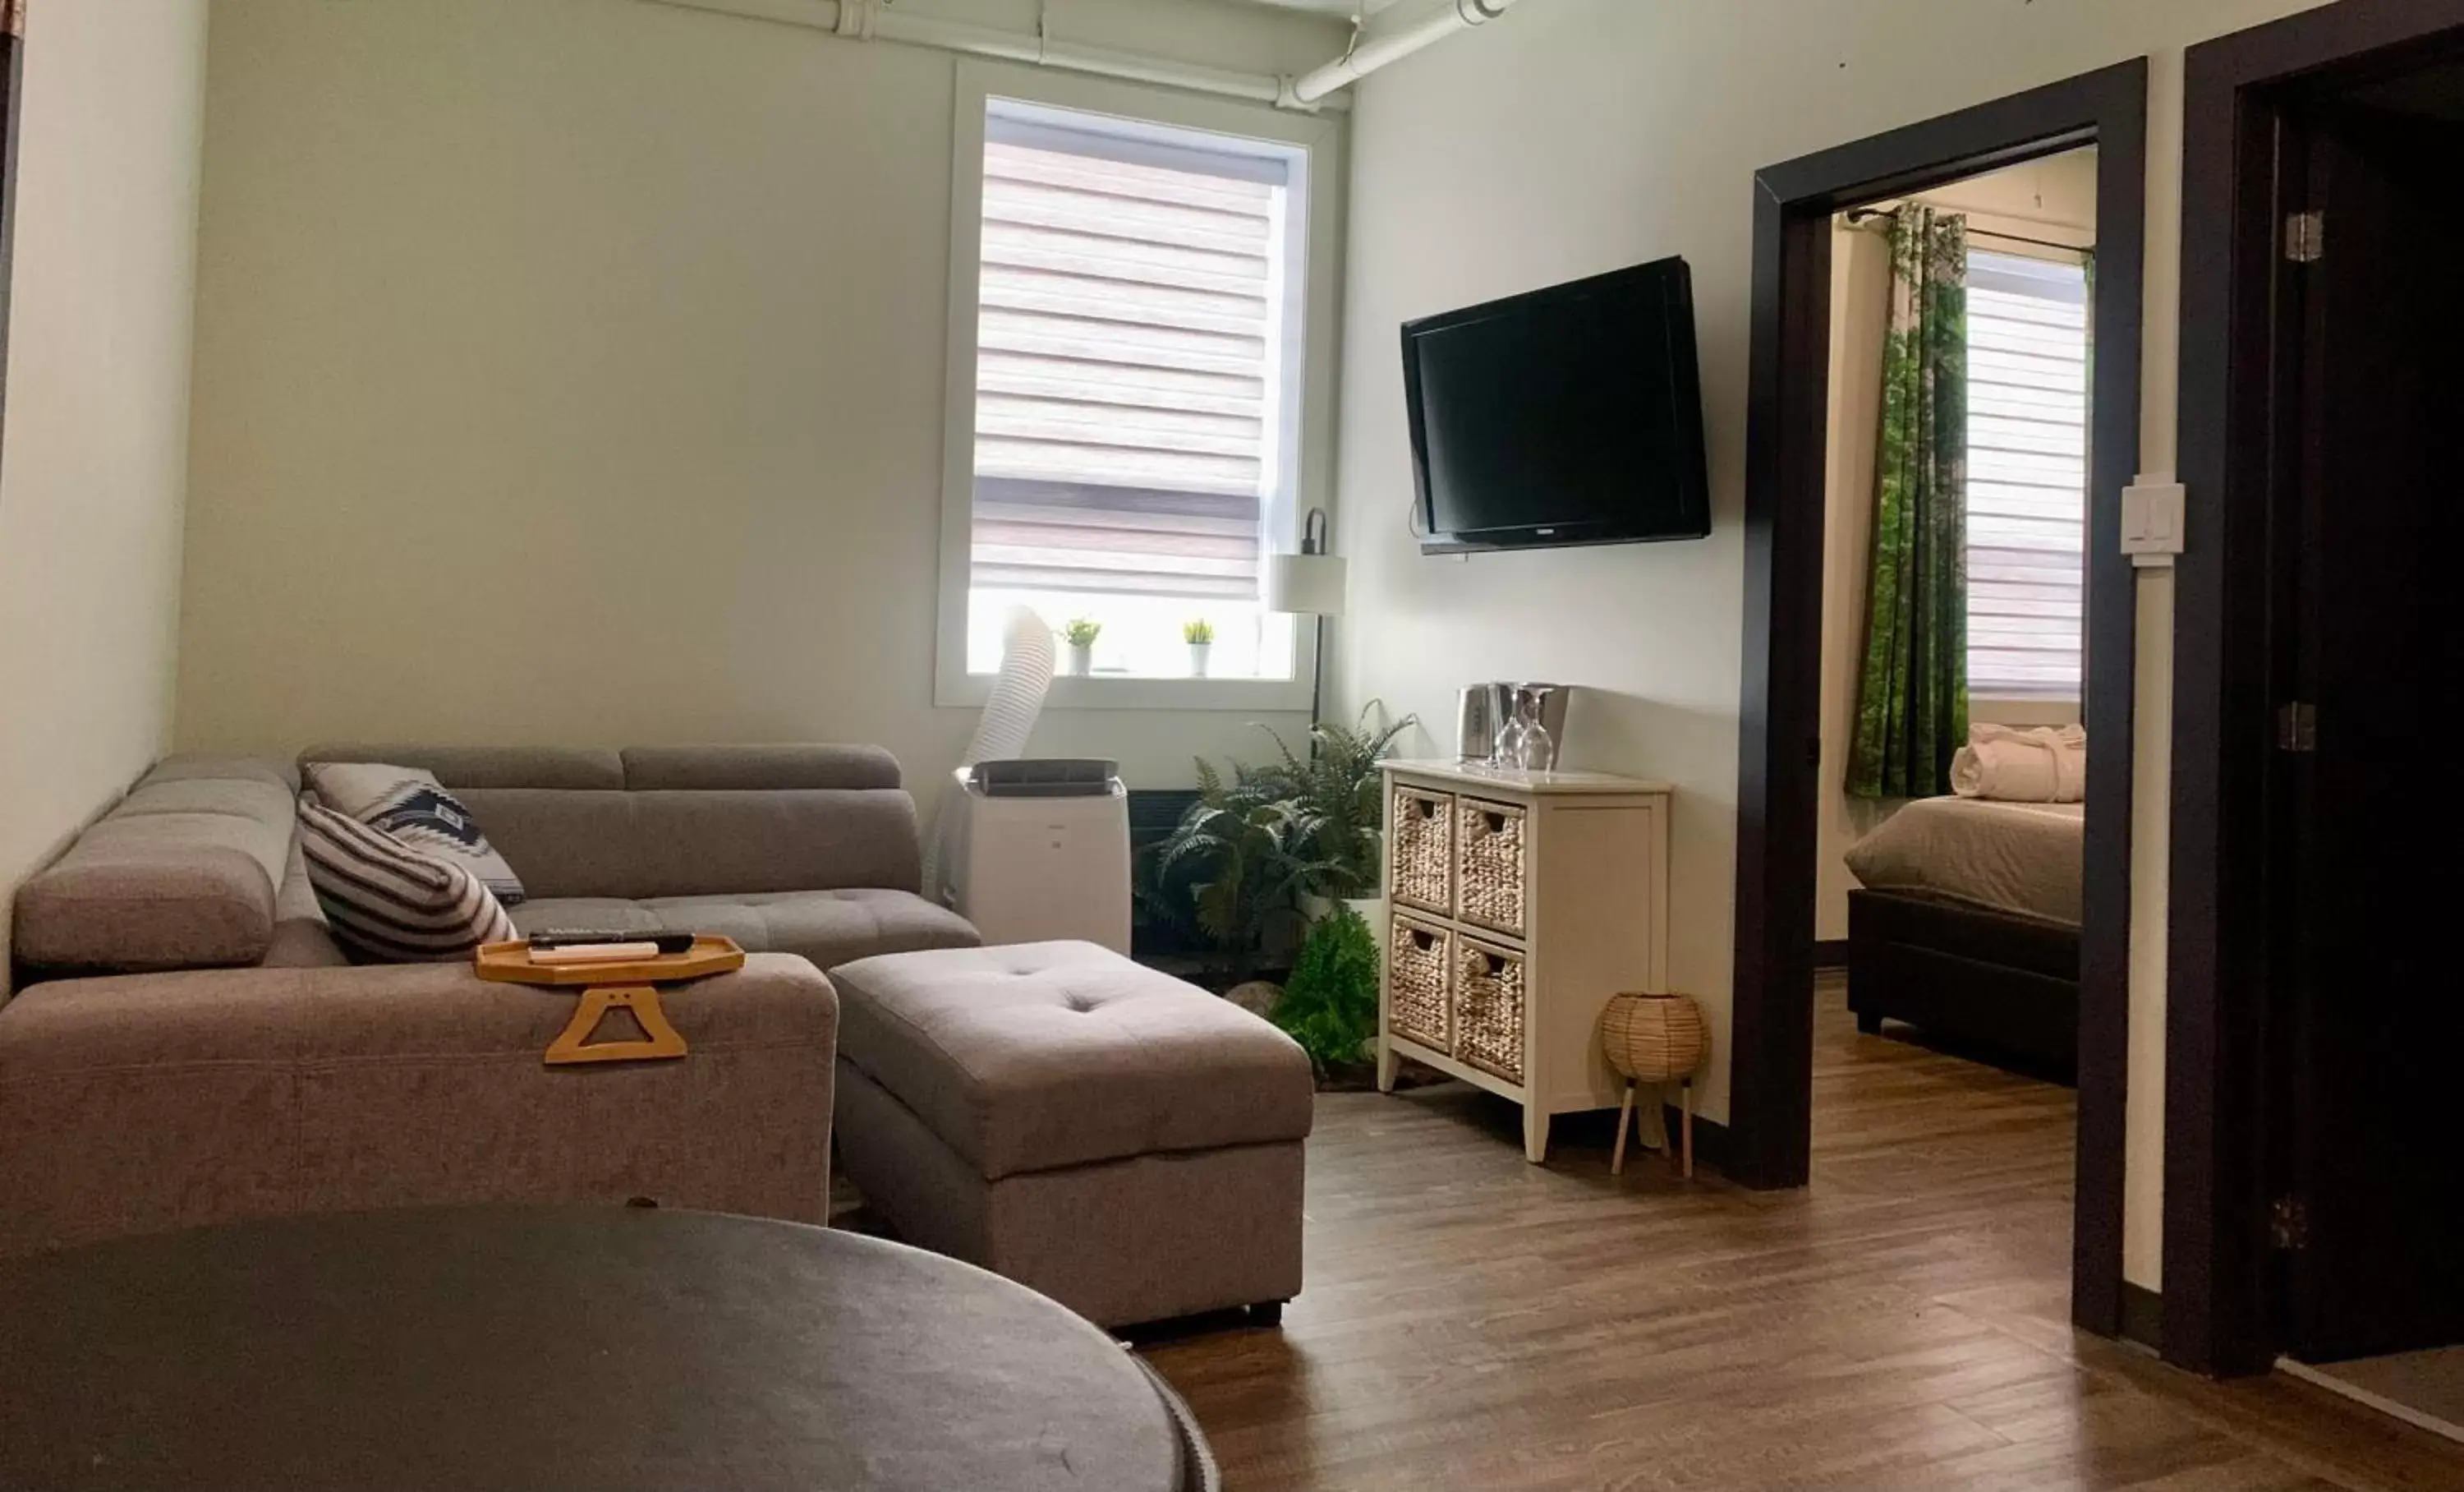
[1574, 136]
[572, 370]
[96, 455]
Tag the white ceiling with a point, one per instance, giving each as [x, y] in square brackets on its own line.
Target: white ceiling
[1339, 9]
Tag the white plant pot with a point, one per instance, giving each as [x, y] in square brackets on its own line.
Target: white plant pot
[1197, 655]
[1081, 659]
[1371, 909]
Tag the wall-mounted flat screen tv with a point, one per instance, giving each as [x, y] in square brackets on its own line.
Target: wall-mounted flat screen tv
[1565, 417]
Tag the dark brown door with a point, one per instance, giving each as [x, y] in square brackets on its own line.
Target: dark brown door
[2369, 881]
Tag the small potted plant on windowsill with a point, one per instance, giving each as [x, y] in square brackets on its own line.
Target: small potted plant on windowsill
[1080, 635]
[1200, 635]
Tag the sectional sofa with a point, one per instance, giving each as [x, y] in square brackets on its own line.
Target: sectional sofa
[190, 1045]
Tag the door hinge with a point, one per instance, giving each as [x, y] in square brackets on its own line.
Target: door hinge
[2305, 238]
[2296, 727]
[2288, 1224]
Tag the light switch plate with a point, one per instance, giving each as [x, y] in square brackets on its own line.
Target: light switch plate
[2151, 522]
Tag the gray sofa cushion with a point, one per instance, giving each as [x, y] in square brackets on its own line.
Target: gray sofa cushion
[573, 767]
[1042, 1055]
[302, 938]
[634, 845]
[829, 928]
[743, 768]
[181, 875]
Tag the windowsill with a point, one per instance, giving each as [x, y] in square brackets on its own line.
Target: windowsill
[1132, 692]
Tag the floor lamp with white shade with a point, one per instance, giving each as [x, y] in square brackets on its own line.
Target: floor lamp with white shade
[1308, 584]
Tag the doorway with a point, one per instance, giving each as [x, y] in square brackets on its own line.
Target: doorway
[2314, 1198]
[1780, 776]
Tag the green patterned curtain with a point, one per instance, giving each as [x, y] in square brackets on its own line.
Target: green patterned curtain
[1912, 693]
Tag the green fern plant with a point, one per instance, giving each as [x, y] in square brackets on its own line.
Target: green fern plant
[1271, 833]
[1336, 790]
[1330, 1003]
[1082, 632]
[1245, 861]
[1198, 633]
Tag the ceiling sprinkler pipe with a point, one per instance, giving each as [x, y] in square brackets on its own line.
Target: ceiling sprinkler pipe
[1378, 51]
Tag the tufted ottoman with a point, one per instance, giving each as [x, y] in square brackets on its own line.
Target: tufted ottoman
[1123, 1141]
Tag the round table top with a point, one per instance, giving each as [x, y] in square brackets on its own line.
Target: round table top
[556, 1347]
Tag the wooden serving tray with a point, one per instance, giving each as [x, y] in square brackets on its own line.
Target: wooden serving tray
[631, 986]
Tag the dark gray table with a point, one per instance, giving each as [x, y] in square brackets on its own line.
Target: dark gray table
[558, 1348]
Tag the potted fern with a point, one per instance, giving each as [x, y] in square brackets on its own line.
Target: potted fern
[1200, 635]
[1080, 636]
[1273, 846]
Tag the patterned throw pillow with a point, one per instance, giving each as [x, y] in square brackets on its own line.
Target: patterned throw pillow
[387, 902]
[412, 806]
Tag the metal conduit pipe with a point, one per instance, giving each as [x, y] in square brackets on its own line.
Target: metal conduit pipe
[870, 20]
[1378, 51]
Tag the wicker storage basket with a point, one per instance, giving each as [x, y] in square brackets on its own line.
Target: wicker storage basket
[1488, 865]
[1655, 1037]
[1488, 1009]
[1418, 957]
[1420, 844]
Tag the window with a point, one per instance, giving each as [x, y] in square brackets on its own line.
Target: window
[2027, 474]
[1136, 384]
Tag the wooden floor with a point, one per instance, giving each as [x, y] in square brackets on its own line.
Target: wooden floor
[1473, 1323]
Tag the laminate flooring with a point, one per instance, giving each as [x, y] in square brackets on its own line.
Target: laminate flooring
[1474, 1323]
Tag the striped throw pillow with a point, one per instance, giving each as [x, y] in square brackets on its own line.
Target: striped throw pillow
[413, 807]
[386, 902]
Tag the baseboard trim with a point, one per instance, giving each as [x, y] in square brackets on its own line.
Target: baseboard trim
[2142, 1317]
[2326, 1378]
[1710, 1138]
[1831, 953]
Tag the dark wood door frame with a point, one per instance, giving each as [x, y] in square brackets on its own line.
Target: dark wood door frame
[2218, 1310]
[1770, 1103]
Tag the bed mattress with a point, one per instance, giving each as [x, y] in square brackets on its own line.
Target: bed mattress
[2020, 857]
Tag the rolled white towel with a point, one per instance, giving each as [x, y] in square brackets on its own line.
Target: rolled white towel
[2044, 765]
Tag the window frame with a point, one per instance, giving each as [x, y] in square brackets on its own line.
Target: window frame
[2041, 709]
[1313, 304]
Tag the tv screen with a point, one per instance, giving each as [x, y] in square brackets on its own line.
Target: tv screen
[1569, 416]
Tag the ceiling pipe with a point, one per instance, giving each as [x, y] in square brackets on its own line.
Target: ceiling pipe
[872, 20]
[1376, 52]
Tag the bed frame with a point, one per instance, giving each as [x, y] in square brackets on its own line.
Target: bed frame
[2005, 984]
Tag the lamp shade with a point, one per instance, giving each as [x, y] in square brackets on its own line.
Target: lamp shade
[1306, 585]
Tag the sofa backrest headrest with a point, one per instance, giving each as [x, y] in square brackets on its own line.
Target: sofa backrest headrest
[662, 821]
[737, 768]
[638, 768]
[489, 766]
[701, 842]
[181, 874]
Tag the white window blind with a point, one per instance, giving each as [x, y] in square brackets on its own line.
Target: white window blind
[1129, 346]
[2027, 474]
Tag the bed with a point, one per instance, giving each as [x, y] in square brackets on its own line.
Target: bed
[1967, 927]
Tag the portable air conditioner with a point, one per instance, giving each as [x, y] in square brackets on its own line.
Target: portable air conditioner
[1040, 851]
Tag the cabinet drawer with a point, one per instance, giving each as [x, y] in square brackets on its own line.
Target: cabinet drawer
[1488, 865]
[1419, 960]
[1488, 1008]
[1420, 848]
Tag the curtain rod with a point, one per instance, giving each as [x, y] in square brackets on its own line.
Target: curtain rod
[1859, 217]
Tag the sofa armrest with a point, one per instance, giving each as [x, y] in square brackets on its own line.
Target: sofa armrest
[145, 1103]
